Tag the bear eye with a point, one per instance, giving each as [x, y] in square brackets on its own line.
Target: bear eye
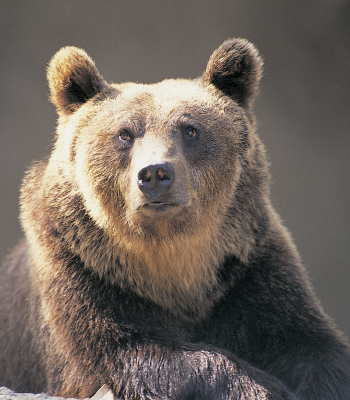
[191, 133]
[125, 136]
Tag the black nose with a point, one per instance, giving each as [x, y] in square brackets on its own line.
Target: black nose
[156, 179]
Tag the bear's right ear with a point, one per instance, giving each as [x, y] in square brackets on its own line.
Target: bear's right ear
[235, 68]
[73, 79]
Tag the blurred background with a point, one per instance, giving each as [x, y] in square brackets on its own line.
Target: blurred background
[303, 109]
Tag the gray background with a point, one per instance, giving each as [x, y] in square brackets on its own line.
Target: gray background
[303, 109]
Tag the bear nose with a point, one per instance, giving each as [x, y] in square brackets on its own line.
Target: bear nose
[156, 179]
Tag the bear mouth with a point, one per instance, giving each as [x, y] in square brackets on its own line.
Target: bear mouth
[159, 205]
[159, 208]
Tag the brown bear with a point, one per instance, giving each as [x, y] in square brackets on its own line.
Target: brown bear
[153, 261]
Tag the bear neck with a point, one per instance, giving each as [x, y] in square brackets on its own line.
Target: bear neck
[180, 274]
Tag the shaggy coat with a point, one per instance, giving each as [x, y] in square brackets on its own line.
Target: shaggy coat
[153, 261]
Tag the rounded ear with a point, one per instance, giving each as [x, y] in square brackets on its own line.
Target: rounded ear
[235, 68]
[73, 79]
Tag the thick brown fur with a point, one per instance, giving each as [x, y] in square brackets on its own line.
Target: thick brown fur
[153, 260]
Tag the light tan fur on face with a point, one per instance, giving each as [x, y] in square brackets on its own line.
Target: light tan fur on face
[175, 268]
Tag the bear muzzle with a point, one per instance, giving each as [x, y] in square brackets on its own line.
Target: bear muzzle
[155, 182]
[159, 189]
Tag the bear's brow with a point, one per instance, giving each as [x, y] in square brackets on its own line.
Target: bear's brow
[144, 100]
[185, 120]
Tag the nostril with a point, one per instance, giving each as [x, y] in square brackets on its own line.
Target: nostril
[145, 175]
[163, 174]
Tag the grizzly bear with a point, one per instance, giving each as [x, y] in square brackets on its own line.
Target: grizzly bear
[153, 261]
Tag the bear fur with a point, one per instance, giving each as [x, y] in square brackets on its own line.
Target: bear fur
[153, 261]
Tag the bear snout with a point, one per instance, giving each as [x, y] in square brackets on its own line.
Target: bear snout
[155, 180]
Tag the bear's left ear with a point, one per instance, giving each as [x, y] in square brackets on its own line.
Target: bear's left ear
[73, 79]
[235, 68]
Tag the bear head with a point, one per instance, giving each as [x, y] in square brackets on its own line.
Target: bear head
[152, 186]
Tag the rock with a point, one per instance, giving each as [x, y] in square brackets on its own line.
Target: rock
[105, 393]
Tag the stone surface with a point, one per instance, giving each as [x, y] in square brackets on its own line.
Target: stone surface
[6, 394]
